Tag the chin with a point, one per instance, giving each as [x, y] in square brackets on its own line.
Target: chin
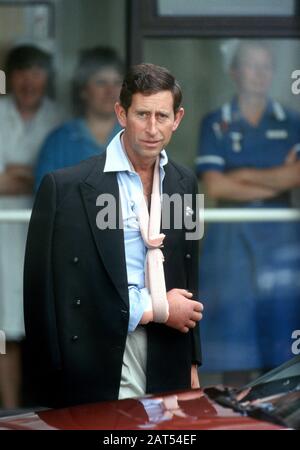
[30, 105]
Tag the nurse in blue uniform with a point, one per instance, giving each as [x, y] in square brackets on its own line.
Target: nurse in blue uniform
[96, 87]
[248, 157]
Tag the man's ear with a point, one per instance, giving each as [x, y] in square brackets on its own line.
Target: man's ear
[121, 114]
[178, 117]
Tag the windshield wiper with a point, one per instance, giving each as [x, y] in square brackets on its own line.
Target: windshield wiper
[228, 398]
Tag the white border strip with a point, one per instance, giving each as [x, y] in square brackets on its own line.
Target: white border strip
[250, 215]
[210, 215]
[15, 215]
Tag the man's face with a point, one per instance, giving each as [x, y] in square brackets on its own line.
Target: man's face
[102, 91]
[28, 87]
[149, 124]
[254, 75]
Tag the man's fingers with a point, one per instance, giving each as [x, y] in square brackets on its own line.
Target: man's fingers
[184, 329]
[191, 324]
[196, 316]
[185, 293]
[184, 313]
[198, 306]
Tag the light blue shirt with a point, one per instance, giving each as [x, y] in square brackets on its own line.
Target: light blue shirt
[131, 192]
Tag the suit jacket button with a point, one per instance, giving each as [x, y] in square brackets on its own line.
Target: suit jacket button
[77, 302]
[74, 338]
[188, 256]
[75, 259]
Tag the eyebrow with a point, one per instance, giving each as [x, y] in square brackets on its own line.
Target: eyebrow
[145, 110]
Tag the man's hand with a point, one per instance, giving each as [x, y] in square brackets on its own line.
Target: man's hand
[183, 312]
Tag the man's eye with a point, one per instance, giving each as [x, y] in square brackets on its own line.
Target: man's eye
[162, 116]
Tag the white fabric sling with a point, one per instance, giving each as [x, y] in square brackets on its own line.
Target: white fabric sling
[150, 231]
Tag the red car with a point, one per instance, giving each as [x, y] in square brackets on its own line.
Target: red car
[270, 402]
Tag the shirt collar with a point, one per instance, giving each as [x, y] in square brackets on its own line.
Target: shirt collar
[273, 109]
[116, 159]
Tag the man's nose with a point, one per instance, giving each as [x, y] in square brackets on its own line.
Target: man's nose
[152, 125]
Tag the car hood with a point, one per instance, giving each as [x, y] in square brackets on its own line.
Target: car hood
[184, 410]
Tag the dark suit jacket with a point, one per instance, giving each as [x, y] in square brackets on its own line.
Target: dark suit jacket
[76, 295]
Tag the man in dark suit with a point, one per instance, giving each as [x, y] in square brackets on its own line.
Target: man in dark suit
[100, 323]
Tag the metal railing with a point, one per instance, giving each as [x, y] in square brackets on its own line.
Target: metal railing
[209, 215]
[250, 215]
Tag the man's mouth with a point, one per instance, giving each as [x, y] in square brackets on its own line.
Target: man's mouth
[151, 143]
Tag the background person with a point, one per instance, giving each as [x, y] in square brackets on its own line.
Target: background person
[249, 272]
[96, 88]
[26, 116]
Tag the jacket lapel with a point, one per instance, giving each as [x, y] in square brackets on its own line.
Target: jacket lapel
[174, 181]
[109, 241]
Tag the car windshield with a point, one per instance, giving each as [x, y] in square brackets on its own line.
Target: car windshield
[274, 397]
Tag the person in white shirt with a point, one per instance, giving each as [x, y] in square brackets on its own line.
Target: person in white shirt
[26, 116]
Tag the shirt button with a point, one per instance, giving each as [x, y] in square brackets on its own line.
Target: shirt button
[75, 338]
[75, 259]
[188, 256]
